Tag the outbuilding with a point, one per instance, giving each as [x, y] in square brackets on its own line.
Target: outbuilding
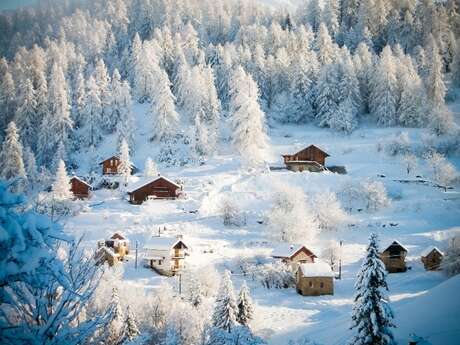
[158, 187]
[311, 158]
[315, 279]
[394, 257]
[80, 188]
[110, 166]
[432, 258]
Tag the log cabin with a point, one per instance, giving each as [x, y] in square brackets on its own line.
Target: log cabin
[315, 279]
[110, 166]
[293, 255]
[165, 255]
[432, 258]
[394, 257]
[311, 158]
[158, 187]
[79, 188]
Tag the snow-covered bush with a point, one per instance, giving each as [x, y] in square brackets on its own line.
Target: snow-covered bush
[410, 162]
[331, 253]
[398, 145]
[290, 219]
[370, 195]
[328, 210]
[47, 203]
[451, 261]
[443, 172]
[275, 275]
[232, 215]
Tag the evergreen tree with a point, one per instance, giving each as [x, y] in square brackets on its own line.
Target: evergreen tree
[102, 80]
[436, 89]
[116, 328]
[7, 99]
[383, 96]
[225, 309]
[30, 164]
[78, 100]
[245, 307]
[26, 113]
[327, 94]
[324, 46]
[248, 137]
[91, 117]
[150, 168]
[131, 325]
[372, 315]
[125, 166]
[11, 163]
[61, 186]
[122, 112]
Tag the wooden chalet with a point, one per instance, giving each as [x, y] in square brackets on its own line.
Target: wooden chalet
[110, 166]
[294, 255]
[432, 258]
[79, 188]
[158, 187]
[394, 257]
[113, 250]
[165, 255]
[315, 279]
[311, 158]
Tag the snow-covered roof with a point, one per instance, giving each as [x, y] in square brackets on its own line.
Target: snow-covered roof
[153, 257]
[395, 242]
[115, 157]
[118, 236]
[307, 147]
[317, 269]
[79, 179]
[145, 181]
[430, 249]
[163, 243]
[108, 251]
[288, 250]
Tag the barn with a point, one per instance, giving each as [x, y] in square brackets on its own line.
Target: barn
[394, 257]
[110, 166]
[158, 187]
[311, 158]
[79, 188]
[432, 258]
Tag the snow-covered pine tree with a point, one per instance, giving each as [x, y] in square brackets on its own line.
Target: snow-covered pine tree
[78, 99]
[26, 112]
[327, 94]
[325, 48]
[248, 120]
[131, 331]
[145, 72]
[225, 309]
[122, 112]
[372, 315]
[91, 116]
[436, 89]
[245, 306]
[164, 115]
[57, 125]
[60, 188]
[7, 99]
[116, 328]
[125, 166]
[11, 161]
[30, 164]
[102, 80]
[384, 87]
[150, 168]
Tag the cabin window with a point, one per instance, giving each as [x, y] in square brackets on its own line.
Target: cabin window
[112, 162]
[310, 284]
[160, 262]
[321, 285]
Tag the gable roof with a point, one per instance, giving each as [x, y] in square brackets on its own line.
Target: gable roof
[289, 250]
[79, 179]
[429, 250]
[317, 269]
[145, 181]
[163, 243]
[310, 146]
[118, 236]
[397, 243]
[112, 157]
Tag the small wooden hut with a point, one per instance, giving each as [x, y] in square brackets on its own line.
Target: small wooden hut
[432, 258]
[79, 188]
[110, 166]
[293, 255]
[315, 279]
[158, 187]
[394, 257]
[311, 158]
[113, 249]
[166, 255]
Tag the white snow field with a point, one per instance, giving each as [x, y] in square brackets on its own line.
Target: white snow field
[425, 303]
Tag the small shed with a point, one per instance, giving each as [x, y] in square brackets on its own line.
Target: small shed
[311, 158]
[110, 166]
[315, 279]
[293, 255]
[394, 257]
[166, 255]
[80, 188]
[158, 187]
[432, 258]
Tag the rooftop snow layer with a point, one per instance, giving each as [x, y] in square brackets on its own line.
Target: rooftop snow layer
[317, 269]
[430, 249]
[286, 250]
[162, 243]
[144, 181]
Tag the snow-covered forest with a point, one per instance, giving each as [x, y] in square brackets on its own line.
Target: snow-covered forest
[211, 93]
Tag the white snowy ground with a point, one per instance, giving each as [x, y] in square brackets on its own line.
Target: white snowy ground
[424, 302]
